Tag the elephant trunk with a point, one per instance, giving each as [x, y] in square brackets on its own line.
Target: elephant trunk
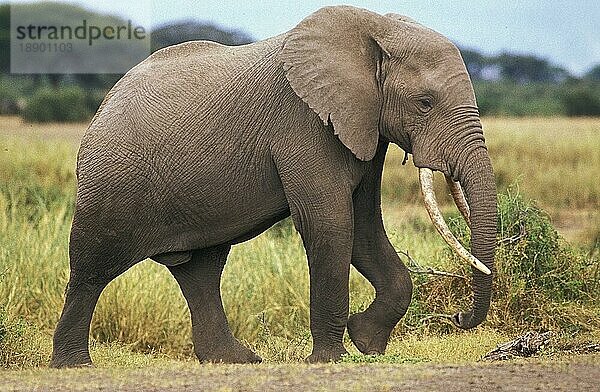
[477, 179]
[478, 206]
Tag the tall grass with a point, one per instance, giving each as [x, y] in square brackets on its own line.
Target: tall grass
[265, 283]
[556, 161]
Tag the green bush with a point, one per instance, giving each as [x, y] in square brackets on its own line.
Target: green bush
[65, 104]
[512, 99]
[93, 99]
[541, 281]
[582, 100]
[536, 258]
[8, 98]
[21, 344]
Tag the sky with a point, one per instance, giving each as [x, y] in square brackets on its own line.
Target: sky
[565, 32]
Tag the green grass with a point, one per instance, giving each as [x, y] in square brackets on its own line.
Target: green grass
[142, 319]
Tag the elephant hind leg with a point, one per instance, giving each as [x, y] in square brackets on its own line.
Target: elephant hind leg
[199, 280]
[70, 342]
[95, 262]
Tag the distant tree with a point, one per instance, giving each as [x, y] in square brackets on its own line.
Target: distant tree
[95, 81]
[475, 62]
[527, 68]
[581, 99]
[593, 74]
[511, 67]
[171, 34]
[4, 38]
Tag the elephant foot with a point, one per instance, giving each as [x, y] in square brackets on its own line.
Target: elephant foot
[236, 353]
[81, 360]
[333, 354]
[368, 336]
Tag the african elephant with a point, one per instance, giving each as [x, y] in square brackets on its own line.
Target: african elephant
[202, 146]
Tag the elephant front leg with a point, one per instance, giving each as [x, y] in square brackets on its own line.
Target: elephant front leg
[377, 260]
[318, 179]
[329, 264]
[327, 236]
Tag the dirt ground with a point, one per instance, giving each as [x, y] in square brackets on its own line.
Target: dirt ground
[568, 374]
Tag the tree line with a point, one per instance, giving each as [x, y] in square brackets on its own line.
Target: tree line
[520, 85]
[505, 84]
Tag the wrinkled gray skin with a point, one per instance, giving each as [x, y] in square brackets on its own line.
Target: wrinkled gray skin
[202, 146]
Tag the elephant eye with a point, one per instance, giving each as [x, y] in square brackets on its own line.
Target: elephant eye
[425, 104]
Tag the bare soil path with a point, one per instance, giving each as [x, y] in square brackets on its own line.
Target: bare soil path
[567, 374]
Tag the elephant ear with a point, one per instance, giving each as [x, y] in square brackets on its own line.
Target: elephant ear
[331, 60]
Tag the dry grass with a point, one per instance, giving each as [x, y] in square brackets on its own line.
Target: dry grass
[557, 160]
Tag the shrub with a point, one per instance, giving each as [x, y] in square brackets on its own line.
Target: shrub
[541, 281]
[93, 99]
[65, 104]
[532, 255]
[512, 99]
[21, 344]
[8, 98]
[582, 100]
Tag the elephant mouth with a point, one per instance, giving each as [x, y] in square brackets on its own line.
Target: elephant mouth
[426, 180]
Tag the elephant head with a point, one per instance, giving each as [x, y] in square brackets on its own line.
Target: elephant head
[375, 78]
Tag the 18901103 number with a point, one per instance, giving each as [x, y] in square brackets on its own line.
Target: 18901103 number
[42, 47]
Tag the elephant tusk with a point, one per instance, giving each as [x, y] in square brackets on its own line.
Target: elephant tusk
[426, 179]
[459, 199]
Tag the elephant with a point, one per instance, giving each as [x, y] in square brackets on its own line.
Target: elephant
[202, 146]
